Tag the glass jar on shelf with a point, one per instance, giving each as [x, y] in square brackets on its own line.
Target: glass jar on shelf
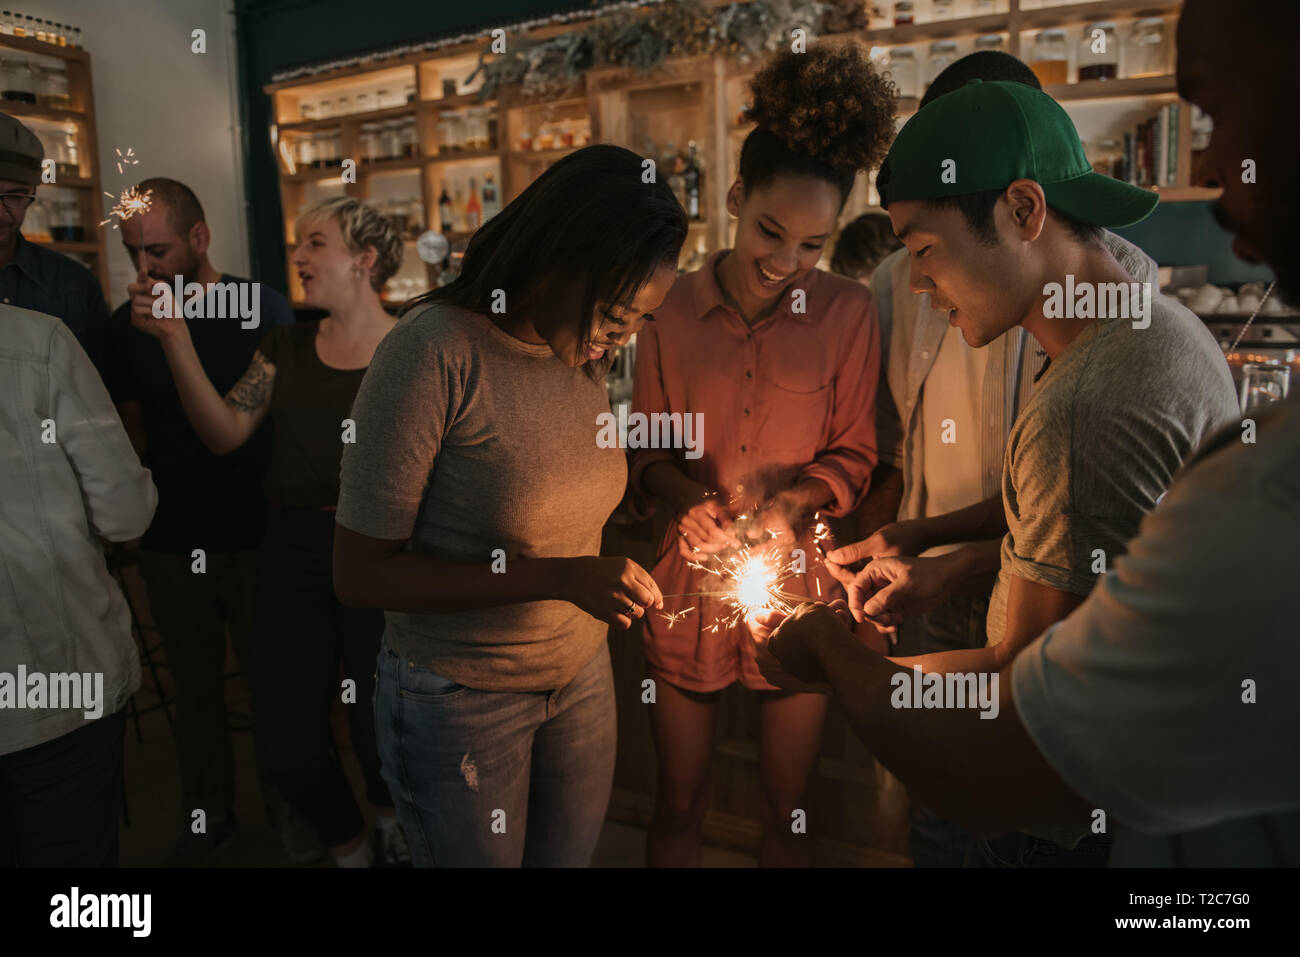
[19, 83]
[67, 154]
[903, 13]
[408, 91]
[408, 138]
[545, 138]
[334, 147]
[326, 109]
[456, 130]
[369, 142]
[1050, 59]
[307, 109]
[1098, 52]
[65, 222]
[365, 102]
[391, 137]
[52, 87]
[982, 8]
[943, 9]
[343, 105]
[1147, 50]
[525, 140]
[942, 53]
[306, 151]
[904, 71]
[990, 41]
[36, 225]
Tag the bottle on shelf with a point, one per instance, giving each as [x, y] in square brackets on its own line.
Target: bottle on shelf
[692, 176]
[473, 207]
[29, 27]
[491, 203]
[677, 175]
[445, 212]
[20, 26]
[6, 23]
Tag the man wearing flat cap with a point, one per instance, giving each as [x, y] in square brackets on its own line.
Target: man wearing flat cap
[33, 276]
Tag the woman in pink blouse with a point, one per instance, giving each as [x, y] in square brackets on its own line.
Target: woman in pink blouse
[778, 362]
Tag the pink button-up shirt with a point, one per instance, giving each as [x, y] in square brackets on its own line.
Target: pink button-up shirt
[791, 398]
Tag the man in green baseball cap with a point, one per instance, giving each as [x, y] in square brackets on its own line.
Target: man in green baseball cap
[1003, 218]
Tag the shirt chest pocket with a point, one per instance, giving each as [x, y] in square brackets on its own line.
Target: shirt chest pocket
[796, 416]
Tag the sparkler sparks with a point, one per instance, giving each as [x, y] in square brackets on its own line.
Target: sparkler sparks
[673, 617]
[128, 158]
[130, 203]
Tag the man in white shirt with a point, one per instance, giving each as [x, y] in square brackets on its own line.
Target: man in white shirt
[68, 664]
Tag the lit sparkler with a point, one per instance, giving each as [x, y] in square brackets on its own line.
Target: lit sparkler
[130, 203]
[752, 578]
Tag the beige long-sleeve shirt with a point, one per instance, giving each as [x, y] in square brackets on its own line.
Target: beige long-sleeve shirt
[68, 477]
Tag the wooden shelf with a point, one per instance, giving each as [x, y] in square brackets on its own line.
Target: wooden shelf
[458, 102]
[938, 30]
[82, 247]
[1100, 90]
[35, 111]
[402, 165]
[34, 46]
[465, 156]
[1082, 13]
[550, 154]
[1188, 194]
[1113, 89]
[371, 116]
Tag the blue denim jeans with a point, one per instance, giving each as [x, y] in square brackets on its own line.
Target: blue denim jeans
[497, 779]
[958, 623]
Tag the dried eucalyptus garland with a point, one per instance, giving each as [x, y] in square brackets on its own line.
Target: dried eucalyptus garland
[676, 28]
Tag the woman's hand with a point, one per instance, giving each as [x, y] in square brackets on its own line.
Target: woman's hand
[142, 317]
[612, 590]
[705, 529]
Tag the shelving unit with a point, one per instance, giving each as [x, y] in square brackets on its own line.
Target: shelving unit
[80, 120]
[687, 99]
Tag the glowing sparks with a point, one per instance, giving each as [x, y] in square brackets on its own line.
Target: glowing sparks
[128, 158]
[130, 203]
[673, 617]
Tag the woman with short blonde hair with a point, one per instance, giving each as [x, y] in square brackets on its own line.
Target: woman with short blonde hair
[305, 376]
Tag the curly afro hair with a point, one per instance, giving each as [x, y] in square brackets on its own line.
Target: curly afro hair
[826, 113]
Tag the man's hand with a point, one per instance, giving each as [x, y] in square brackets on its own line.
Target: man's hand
[893, 539]
[891, 589]
[783, 645]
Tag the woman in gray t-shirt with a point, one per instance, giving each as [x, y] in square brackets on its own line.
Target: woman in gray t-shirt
[471, 510]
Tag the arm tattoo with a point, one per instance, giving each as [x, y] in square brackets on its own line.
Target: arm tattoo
[254, 390]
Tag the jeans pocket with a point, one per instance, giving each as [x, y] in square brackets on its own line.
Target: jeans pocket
[422, 684]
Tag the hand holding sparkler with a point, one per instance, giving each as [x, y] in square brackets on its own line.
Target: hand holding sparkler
[891, 589]
[786, 651]
[613, 590]
[893, 539]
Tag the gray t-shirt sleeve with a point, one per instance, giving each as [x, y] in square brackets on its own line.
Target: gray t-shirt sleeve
[1139, 699]
[402, 412]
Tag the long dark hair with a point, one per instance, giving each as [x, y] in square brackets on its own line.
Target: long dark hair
[588, 230]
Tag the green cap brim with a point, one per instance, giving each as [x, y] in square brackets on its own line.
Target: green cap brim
[1101, 200]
